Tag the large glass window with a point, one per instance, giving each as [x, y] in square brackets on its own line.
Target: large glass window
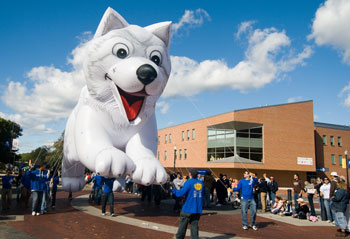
[158, 155]
[183, 136]
[158, 139]
[332, 140]
[180, 154]
[193, 134]
[188, 134]
[166, 138]
[185, 154]
[169, 138]
[333, 159]
[222, 144]
[340, 160]
[165, 155]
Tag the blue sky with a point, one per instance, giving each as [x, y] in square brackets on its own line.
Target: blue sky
[230, 55]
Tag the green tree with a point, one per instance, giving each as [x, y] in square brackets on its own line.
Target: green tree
[8, 130]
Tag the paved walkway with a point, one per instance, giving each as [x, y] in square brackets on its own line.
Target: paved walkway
[81, 203]
[77, 219]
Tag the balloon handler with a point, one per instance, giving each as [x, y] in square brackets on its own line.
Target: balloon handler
[192, 208]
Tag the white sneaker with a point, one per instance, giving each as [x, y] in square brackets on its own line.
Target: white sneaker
[218, 205]
[103, 214]
[113, 215]
[33, 213]
[37, 214]
[254, 228]
[245, 228]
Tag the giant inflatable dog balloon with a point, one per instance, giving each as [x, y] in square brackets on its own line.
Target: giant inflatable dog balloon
[112, 130]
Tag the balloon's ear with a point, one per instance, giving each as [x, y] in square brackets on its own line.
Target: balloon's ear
[111, 20]
[161, 30]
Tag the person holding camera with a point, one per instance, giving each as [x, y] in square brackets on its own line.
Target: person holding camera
[246, 184]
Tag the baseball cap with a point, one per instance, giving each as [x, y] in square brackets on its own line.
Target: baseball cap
[334, 174]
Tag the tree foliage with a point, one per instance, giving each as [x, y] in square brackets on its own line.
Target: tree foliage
[8, 130]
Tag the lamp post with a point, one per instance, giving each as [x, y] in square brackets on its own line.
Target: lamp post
[347, 169]
[174, 157]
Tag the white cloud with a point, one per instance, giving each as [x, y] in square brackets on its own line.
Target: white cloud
[345, 92]
[331, 26]
[191, 19]
[294, 99]
[52, 97]
[244, 27]
[163, 106]
[264, 62]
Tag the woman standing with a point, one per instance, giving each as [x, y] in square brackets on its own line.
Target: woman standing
[339, 204]
[310, 190]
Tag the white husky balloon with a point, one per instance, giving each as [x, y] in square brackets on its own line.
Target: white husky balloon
[112, 130]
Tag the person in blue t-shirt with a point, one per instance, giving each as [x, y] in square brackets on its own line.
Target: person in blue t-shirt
[6, 194]
[98, 183]
[192, 208]
[247, 184]
[107, 195]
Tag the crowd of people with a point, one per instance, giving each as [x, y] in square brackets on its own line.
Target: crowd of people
[38, 183]
[251, 192]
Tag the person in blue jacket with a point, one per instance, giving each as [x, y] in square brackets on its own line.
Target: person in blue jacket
[25, 191]
[192, 208]
[108, 195]
[6, 194]
[55, 181]
[38, 178]
[246, 185]
[98, 183]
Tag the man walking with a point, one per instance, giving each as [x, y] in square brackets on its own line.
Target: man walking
[247, 199]
[193, 190]
[6, 195]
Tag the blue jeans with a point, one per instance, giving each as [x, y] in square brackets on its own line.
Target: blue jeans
[310, 198]
[98, 195]
[206, 201]
[272, 197]
[110, 198]
[334, 214]
[327, 205]
[244, 210]
[341, 220]
[296, 196]
[44, 201]
[36, 200]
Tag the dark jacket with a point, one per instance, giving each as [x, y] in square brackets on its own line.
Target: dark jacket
[263, 186]
[340, 200]
[333, 188]
[273, 186]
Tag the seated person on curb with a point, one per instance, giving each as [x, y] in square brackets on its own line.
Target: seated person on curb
[278, 206]
[301, 211]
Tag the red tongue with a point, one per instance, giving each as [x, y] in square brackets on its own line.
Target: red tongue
[131, 110]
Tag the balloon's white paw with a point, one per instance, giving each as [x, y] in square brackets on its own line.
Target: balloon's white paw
[112, 162]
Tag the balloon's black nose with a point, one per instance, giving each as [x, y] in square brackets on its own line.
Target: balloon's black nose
[146, 74]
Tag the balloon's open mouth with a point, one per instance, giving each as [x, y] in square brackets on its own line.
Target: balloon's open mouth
[132, 102]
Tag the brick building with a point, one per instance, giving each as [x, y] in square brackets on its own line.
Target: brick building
[279, 140]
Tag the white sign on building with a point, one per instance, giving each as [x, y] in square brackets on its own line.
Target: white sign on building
[305, 161]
